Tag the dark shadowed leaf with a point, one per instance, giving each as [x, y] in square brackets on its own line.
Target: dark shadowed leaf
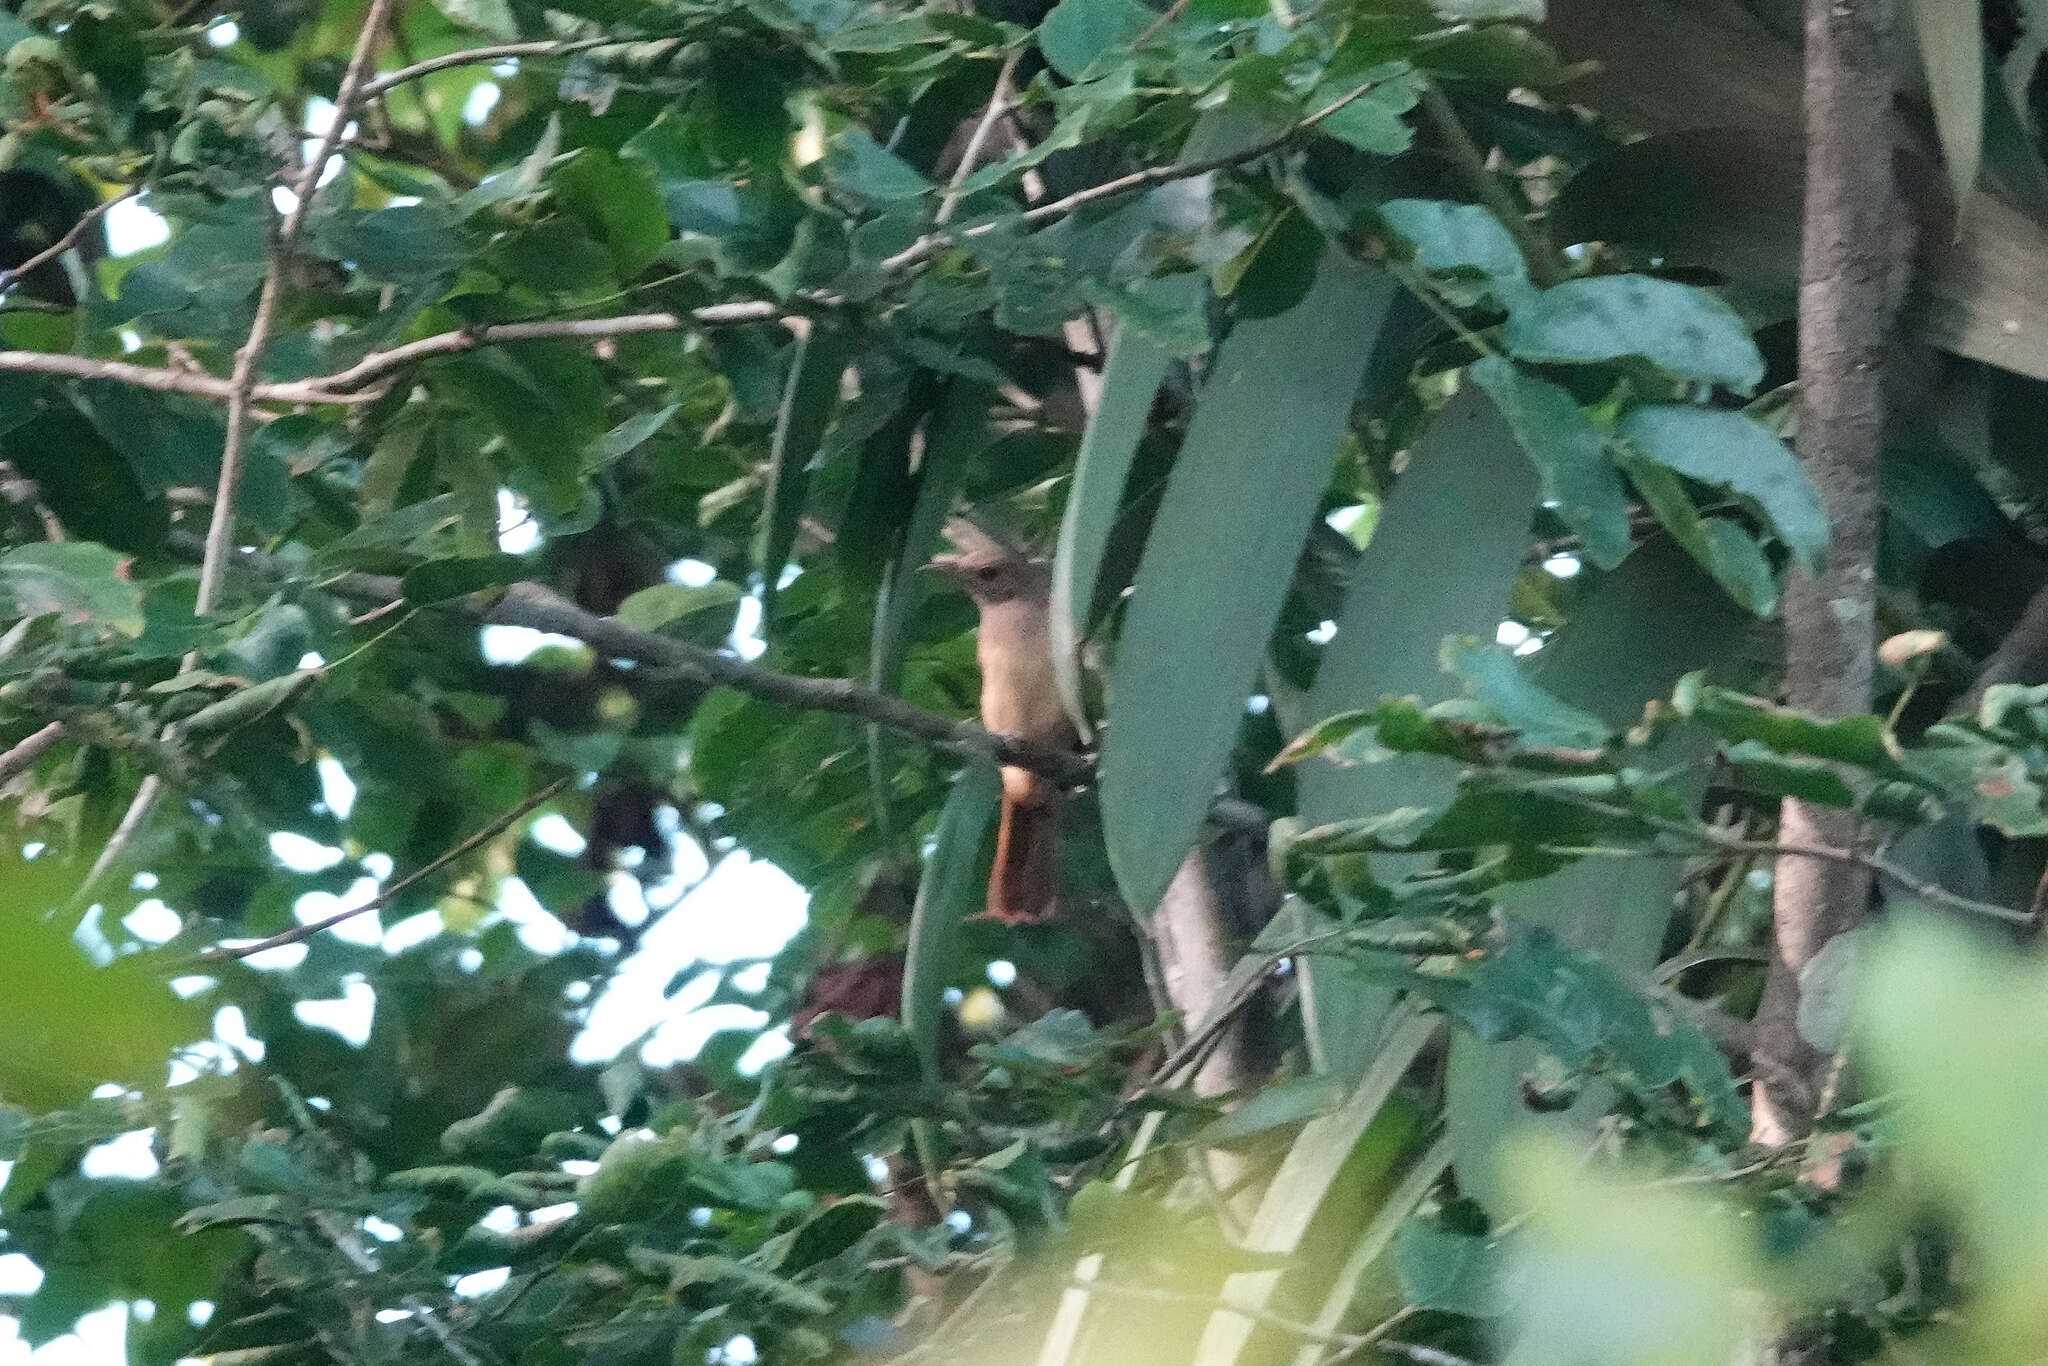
[952, 890]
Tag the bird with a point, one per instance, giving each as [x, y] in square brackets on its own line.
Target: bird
[1012, 590]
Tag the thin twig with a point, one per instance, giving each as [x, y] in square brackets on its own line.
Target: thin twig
[352, 385]
[998, 98]
[220, 527]
[1421, 1355]
[164, 380]
[475, 56]
[932, 243]
[1196, 1045]
[1711, 837]
[64, 243]
[1346, 1343]
[28, 749]
[384, 898]
[380, 363]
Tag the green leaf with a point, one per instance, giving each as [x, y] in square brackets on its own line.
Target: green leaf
[513, 1123]
[403, 244]
[1459, 237]
[832, 1231]
[1856, 740]
[1738, 453]
[1540, 717]
[1569, 451]
[1449, 1271]
[1130, 381]
[650, 609]
[71, 1026]
[1078, 33]
[1947, 1021]
[862, 166]
[1406, 595]
[1279, 1106]
[1217, 565]
[952, 889]
[1526, 983]
[492, 17]
[808, 402]
[78, 580]
[1371, 122]
[1952, 50]
[1627, 644]
[1361, 1140]
[628, 436]
[1682, 330]
[1778, 776]
[617, 203]
[1722, 548]
[439, 580]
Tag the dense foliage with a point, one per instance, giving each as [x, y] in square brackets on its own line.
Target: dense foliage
[1404, 405]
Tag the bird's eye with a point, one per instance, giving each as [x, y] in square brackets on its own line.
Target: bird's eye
[988, 573]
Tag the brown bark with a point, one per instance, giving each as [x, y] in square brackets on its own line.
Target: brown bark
[1847, 303]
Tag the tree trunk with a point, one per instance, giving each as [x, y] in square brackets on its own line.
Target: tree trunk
[1849, 288]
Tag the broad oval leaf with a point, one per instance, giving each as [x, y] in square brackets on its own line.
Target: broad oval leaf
[1078, 32]
[78, 580]
[1681, 330]
[1740, 454]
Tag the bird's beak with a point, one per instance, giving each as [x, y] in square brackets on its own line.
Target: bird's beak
[945, 566]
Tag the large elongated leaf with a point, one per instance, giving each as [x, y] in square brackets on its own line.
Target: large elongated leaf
[1350, 1283]
[950, 892]
[1952, 50]
[959, 429]
[807, 407]
[1655, 619]
[1407, 595]
[1217, 565]
[1137, 366]
[1299, 1188]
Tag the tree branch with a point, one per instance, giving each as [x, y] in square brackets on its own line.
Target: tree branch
[998, 98]
[1847, 306]
[28, 749]
[378, 364]
[357, 383]
[64, 243]
[222, 952]
[164, 380]
[474, 56]
[665, 658]
[220, 526]
[932, 243]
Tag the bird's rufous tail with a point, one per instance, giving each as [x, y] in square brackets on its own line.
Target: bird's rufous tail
[1021, 885]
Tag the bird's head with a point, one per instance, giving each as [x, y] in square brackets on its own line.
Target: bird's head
[989, 569]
